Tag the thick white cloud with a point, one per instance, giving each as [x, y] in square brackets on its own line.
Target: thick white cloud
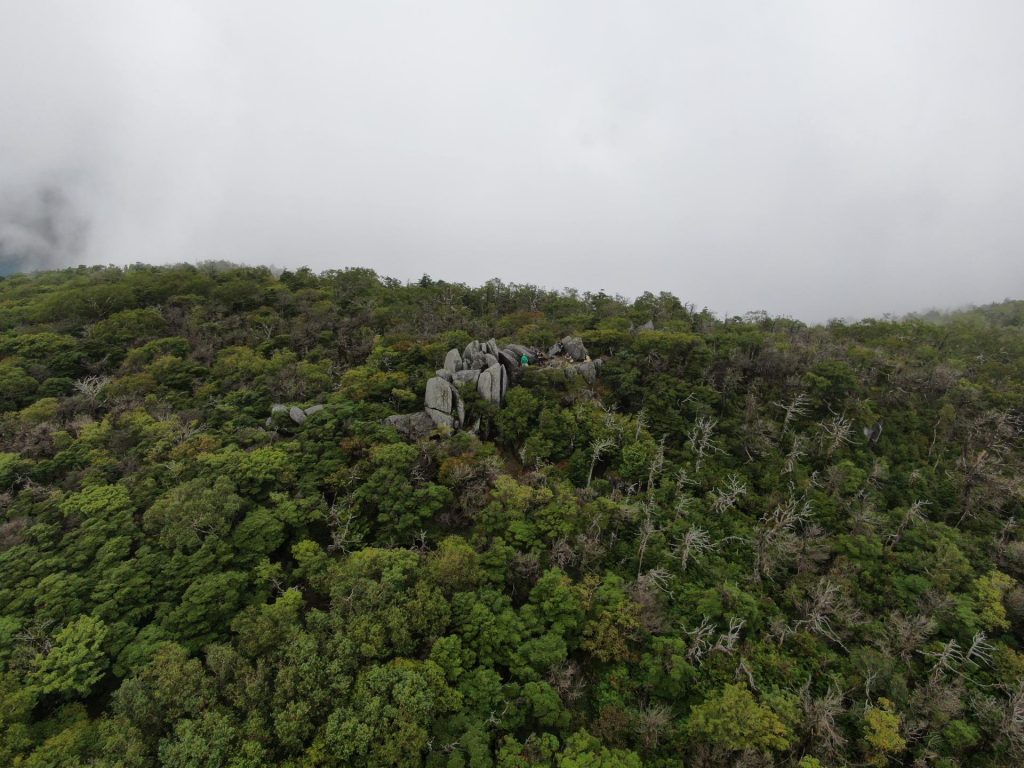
[814, 159]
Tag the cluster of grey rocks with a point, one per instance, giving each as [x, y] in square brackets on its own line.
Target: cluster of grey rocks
[490, 369]
[296, 414]
[484, 366]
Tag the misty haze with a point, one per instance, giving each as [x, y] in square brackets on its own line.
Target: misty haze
[811, 159]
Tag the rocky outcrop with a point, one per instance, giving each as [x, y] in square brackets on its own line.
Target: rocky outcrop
[493, 384]
[571, 347]
[490, 369]
[280, 414]
[488, 366]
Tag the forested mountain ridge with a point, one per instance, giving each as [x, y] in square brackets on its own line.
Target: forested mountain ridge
[749, 542]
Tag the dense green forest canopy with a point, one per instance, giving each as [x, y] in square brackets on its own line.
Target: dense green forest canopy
[750, 542]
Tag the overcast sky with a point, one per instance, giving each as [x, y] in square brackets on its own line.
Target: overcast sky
[815, 159]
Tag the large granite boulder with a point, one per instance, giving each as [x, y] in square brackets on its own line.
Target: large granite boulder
[588, 371]
[453, 361]
[572, 347]
[439, 401]
[472, 350]
[412, 426]
[297, 414]
[466, 377]
[493, 384]
[508, 361]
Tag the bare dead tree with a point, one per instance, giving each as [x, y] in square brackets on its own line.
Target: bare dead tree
[38, 636]
[1012, 725]
[980, 651]
[568, 681]
[641, 423]
[344, 538]
[693, 544]
[904, 635]
[700, 641]
[819, 720]
[706, 639]
[657, 465]
[823, 605]
[646, 531]
[777, 540]
[913, 515]
[597, 449]
[796, 452]
[725, 498]
[726, 642]
[562, 553]
[795, 407]
[701, 437]
[90, 387]
[834, 433]
[947, 660]
[651, 723]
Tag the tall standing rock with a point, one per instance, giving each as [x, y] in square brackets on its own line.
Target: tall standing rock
[493, 384]
[471, 351]
[438, 401]
[483, 385]
[453, 361]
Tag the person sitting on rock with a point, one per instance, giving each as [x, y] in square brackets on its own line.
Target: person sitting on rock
[524, 360]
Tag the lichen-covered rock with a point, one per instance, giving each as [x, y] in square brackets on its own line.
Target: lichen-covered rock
[483, 385]
[588, 371]
[508, 361]
[573, 347]
[314, 409]
[490, 360]
[297, 414]
[492, 347]
[472, 350]
[460, 410]
[440, 418]
[443, 373]
[466, 377]
[438, 394]
[412, 426]
[493, 384]
[453, 361]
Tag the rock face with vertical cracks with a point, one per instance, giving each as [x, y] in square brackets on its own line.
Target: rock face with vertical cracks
[439, 402]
